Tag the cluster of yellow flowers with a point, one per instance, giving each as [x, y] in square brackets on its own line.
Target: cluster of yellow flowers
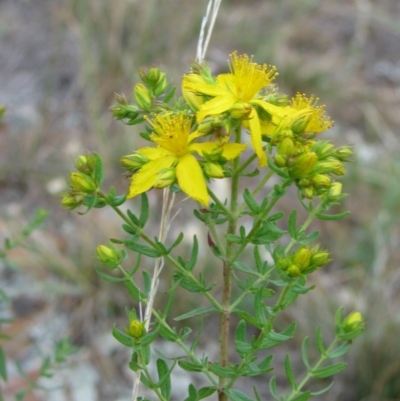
[245, 98]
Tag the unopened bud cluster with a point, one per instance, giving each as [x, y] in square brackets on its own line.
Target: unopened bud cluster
[304, 261]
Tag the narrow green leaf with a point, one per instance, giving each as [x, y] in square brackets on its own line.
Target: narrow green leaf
[190, 366]
[133, 218]
[244, 268]
[323, 216]
[107, 277]
[320, 341]
[168, 334]
[197, 338]
[205, 392]
[340, 351]
[146, 353]
[164, 378]
[196, 312]
[143, 249]
[308, 239]
[272, 388]
[324, 390]
[134, 292]
[328, 371]
[169, 95]
[149, 337]
[192, 394]
[240, 332]
[133, 364]
[265, 364]
[235, 239]
[251, 202]
[146, 282]
[193, 257]
[176, 242]
[98, 169]
[292, 224]
[259, 307]
[243, 348]
[303, 397]
[220, 371]
[3, 370]
[236, 395]
[144, 210]
[289, 373]
[122, 337]
[248, 318]
[304, 354]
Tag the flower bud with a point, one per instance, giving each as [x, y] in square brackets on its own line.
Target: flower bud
[142, 96]
[136, 329]
[206, 126]
[134, 162]
[302, 258]
[240, 111]
[108, 255]
[277, 99]
[72, 201]
[194, 101]
[353, 322]
[165, 178]
[330, 166]
[287, 147]
[300, 124]
[82, 182]
[86, 164]
[320, 258]
[304, 163]
[321, 181]
[343, 153]
[280, 160]
[308, 192]
[335, 189]
[293, 271]
[214, 170]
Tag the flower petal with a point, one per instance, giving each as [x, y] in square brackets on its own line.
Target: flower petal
[154, 153]
[145, 178]
[215, 106]
[274, 110]
[202, 88]
[191, 179]
[255, 136]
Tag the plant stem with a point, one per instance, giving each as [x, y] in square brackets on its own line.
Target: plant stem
[227, 275]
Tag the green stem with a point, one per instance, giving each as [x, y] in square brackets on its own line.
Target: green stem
[218, 202]
[281, 300]
[227, 275]
[316, 366]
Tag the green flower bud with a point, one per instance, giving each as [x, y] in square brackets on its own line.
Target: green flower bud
[108, 255]
[343, 153]
[304, 163]
[142, 96]
[165, 178]
[82, 182]
[206, 126]
[320, 258]
[214, 170]
[293, 271]
[335, 189]
[300, 124]
[283, 263]
[280, 160]
[330, 166]
[277, 99]
[321, 181]
[308, 192]
[134, 162]
[279, 136]
[86, 164]
[353, 322]
[136, 329]
[72, 201]
[240, 111]
[287, 147]
[302, 258]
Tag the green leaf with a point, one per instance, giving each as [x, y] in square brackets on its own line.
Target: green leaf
[272, 388]
[244, 268]
[338, 216]
[205, 392]
[133, 218]
[169, 95]
[146, 282]
[143, 249]
[324, 390]
[3, 370]
[236, 395]
[251, 202]
[133, 364]
[339, 351]
[107, 277]
[193, 257]
[98, 173]
[328, 371]
[259, 307]
[220, 371]
[240, 332]
[248, 318]
[272, 339]
[192, 394]
[289, 373]
[176, 242]
[265, 364]
[267, 233]
[282, 173]
[122, 337]
[197, 338]
[303, 397]
[144, 210]
[243, 348]
[149, 337]
[196, 312]
[134, 292]
[304, 354]
[320, 341]
[191, 366]
[168, 334]
[292, 224]
[235, 239]
[164, 378]
[308, 239]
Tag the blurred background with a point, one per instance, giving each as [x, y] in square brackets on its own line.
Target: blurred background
[61, 62]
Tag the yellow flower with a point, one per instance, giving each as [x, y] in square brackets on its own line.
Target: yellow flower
[239, 89]
[175, 150]
[317, 121]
